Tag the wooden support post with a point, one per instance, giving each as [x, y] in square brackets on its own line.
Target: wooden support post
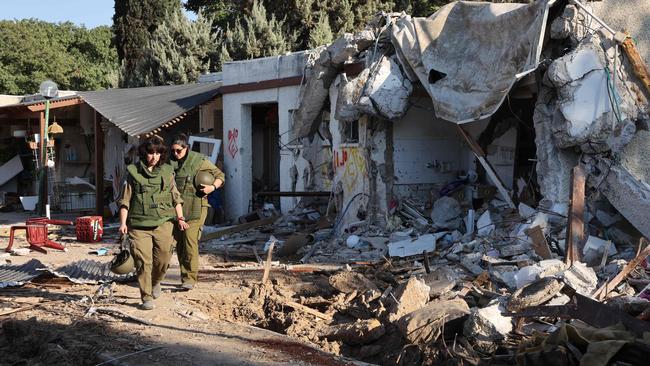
[576, 230]
[480, 155]
[607, 287]
[99, 165]
[540, 245]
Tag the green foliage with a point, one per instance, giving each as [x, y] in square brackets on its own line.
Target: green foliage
[257, 35]
[178, 51]
[74, 57]
[134, 22]
[321, 33]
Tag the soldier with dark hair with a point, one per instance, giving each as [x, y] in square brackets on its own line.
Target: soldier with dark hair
[187, 164]
[149, 204]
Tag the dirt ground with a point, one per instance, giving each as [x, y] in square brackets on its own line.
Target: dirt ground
[220, 322]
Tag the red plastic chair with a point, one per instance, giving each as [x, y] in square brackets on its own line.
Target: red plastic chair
[36, 230]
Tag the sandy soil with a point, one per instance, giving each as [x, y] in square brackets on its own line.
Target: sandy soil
[217, 323]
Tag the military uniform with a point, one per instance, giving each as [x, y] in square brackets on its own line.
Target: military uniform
[195, 210]
[150, 198]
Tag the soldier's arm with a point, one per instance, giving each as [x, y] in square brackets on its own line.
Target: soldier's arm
[219, 177]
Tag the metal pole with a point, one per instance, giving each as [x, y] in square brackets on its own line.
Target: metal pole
[46, 190]
[600, 21]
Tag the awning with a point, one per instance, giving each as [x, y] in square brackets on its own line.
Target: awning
[137, 111]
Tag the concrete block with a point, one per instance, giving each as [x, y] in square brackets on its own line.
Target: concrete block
[411, 295]
[425, 325]
[446, 213]
[357, 333]
[581, 278]
[488, 325]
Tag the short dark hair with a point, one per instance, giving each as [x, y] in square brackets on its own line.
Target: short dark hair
[180, 139]
[152, 145]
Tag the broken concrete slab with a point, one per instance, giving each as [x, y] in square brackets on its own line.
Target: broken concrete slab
[348, 282]
[425, 325]
[409, 247]
[581, 278]
[488, 325]
[630, 196]
[484, 224]
[386, 93]
[408, 297]
[446, 213]
[535, 293]
[356, 333]
[634, 158]
[438, 287]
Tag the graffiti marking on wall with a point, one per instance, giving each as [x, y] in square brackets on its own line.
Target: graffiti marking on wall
[351, 164]
[232, 142]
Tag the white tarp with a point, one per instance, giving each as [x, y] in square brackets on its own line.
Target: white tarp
[468, 55]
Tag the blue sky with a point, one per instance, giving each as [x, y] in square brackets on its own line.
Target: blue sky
[90, 13]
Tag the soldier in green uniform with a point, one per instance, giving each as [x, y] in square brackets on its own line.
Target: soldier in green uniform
[150, 202]
[195, 208]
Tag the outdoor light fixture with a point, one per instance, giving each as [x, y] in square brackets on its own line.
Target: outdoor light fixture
[48, 89]
[55, 128]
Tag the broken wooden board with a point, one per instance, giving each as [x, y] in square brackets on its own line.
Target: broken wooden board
[576, 229]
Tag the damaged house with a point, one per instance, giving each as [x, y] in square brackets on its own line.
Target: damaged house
[478, 101]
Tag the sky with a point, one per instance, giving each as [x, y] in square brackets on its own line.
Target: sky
[90, 13]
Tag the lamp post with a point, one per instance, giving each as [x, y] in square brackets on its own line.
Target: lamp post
[48, 89]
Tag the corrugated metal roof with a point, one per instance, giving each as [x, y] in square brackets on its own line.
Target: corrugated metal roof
[37, 99]
[140, 110]
[88, 271]
[18, 275]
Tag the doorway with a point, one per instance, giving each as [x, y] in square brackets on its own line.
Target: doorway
[265, 149]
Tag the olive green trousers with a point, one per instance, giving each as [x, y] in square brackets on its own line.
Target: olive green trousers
[187, 248]
[152, 250]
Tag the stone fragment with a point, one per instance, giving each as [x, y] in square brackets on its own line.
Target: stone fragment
[387, 91]
[581, 278]
[411, 295]
[425, 325]
[484, 224]
[357, 333]
[527, 275]
[446, 213]
[486, 326]
[535, 293]
[515, 249]
[551, 267]
[347, 282]
[438, 287]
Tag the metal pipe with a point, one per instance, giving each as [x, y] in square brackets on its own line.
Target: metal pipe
[600, 21]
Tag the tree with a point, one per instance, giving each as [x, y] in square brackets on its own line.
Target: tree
[322, 33]
[177, 53]
[256, 35]
[134, 22]
[74, 57]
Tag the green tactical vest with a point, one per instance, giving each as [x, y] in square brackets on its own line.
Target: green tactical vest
[192, 203]
[151, 200]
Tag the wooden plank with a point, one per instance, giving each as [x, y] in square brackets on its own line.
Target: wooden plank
[99, 165]
[638, 66]
[576, 230]
[239, 228]
[480, 155]
[261, 85]
[307, 310]
[540, 245]
[607, 287]
[55, 104]
[267, 264]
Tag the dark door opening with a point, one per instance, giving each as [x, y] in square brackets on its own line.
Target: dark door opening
[266, 151]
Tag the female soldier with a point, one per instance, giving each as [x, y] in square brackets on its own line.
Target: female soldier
[186, 165]
[149, 203]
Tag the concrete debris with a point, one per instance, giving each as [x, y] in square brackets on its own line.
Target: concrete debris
[486, 326]
[484, 224]
[535, 293]
[446, 213]
[408, 297]
[409, 247]
[356, 333]
[425, 325]
[581, 278]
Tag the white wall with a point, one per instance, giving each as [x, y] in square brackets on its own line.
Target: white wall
[237, 129]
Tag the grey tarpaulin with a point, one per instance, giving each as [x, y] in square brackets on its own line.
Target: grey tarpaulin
[468, 54]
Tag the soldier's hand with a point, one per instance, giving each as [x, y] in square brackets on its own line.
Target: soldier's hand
[207, 189]
[183, 225]
[123, 229]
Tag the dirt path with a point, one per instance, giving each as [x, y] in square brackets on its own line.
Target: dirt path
[206, 326]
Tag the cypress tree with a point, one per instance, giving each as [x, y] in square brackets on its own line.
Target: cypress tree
[134, 22]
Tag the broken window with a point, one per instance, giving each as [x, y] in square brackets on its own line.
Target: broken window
[350, 132]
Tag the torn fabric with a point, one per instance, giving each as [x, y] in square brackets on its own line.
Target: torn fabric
[468, 55]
